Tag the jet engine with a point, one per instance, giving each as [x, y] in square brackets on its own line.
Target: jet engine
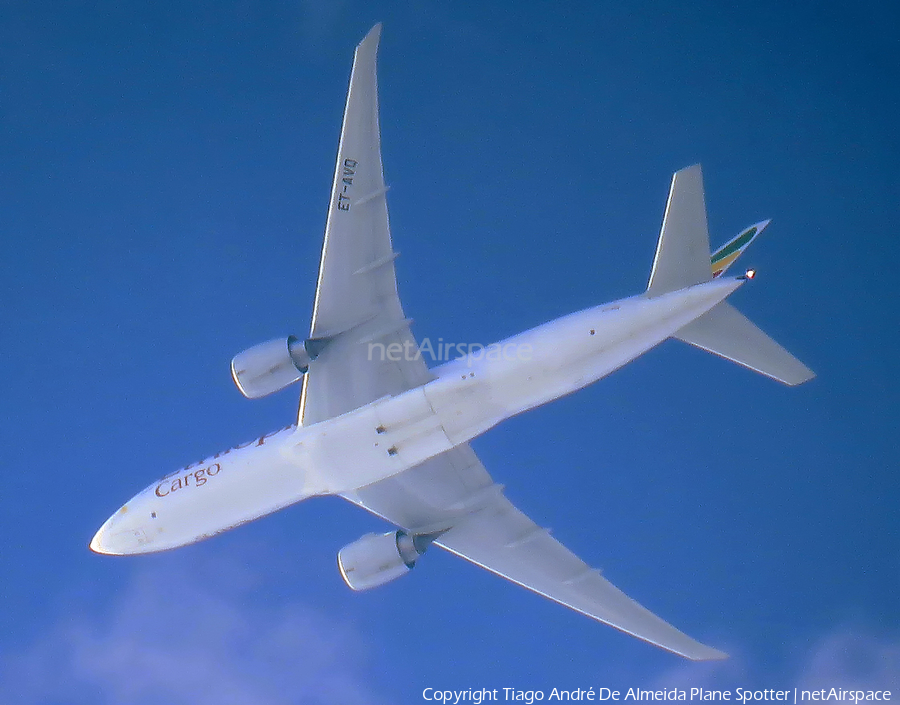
[269, 367]
[376, 559]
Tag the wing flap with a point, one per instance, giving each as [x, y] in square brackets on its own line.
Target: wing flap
[454, 493]
[506, 542]
[432, 496]
[357, 231]
[357, 307]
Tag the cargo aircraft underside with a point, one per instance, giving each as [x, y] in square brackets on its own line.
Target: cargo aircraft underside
[379, 428]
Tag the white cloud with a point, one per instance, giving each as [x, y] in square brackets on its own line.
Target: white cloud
[204, 633]
[715, 675]
[174, 637]
[847, 658]
[851, 659]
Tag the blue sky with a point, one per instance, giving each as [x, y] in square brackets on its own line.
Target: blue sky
[164, 173]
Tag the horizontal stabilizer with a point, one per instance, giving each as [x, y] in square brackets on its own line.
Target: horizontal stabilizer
[726, 332]
[682, 252]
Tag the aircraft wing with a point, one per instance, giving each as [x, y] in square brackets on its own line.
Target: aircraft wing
[454, 493]
[357, 307]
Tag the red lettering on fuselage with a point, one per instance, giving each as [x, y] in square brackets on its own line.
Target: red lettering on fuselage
[186, 477]
[196, 478]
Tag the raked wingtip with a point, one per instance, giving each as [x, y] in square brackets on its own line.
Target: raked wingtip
[373, 36]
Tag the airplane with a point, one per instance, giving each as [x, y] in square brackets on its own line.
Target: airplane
[379, 428]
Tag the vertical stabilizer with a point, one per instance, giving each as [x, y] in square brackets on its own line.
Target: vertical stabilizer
[682, 253]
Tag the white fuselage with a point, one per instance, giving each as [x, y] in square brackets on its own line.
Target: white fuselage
[468, 396]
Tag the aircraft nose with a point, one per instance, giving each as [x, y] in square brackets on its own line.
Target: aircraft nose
[120, 535]
[97, 543]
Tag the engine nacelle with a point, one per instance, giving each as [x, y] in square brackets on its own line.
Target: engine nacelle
[376, 559]
[268, 367]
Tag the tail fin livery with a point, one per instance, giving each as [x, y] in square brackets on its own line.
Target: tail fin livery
[683, 260]
[725, 256]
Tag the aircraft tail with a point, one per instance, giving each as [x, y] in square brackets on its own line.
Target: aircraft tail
[683, 260]
[682, 252]
[726, 332]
